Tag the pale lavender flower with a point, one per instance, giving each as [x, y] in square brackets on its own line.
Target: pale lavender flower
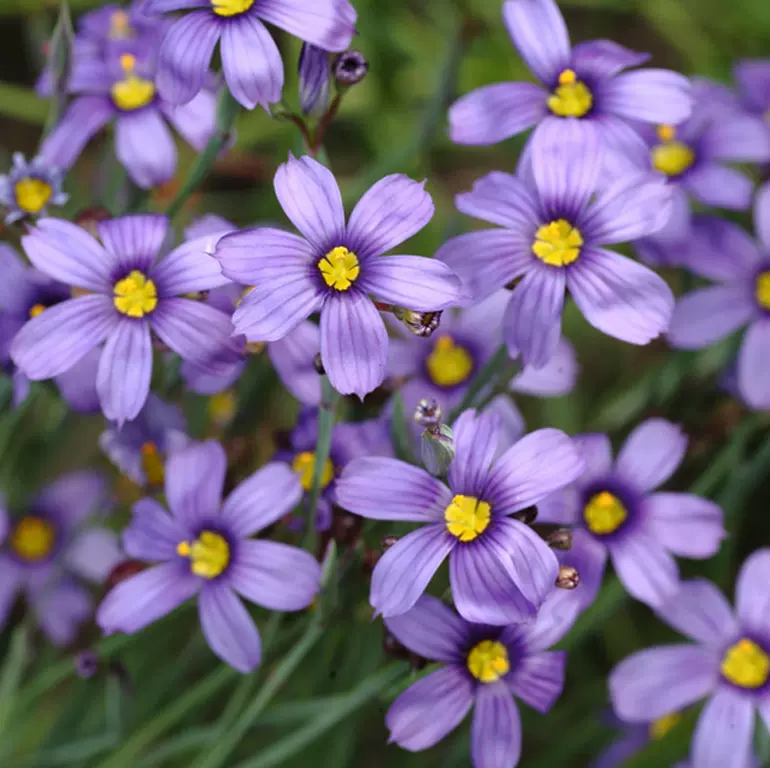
[31, 187]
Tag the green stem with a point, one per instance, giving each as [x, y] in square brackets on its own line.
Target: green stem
[485, 376]
[13, 669]
[219, 753]
[400, 430]
[61, 60]
[227, 110]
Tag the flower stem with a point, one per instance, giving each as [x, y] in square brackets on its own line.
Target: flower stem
[485, 376]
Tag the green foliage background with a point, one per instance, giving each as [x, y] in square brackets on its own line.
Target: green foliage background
[320, 697]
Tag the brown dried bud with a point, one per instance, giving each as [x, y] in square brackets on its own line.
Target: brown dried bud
[318, 365]
[561, 538]
[568, 577]
[528, 515]
[88, 219]
[122, 571]
[350, 67]
[419, 323]
[388, 542]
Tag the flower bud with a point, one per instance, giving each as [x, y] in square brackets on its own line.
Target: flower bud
[89, 218]
[568, 577]
[350, 67]
[313, 79]
[561, 538]
[122, 571]
[318, 365]
[388, 542]
[437, 447]
[428, 413]
[419, 323]
[86, 664]
[528, 515]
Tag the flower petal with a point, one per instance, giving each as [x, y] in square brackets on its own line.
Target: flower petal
[251, 61]
[195, 477]
[93, 553]
[496, 112]
[125, 370]
[184, 56]
[737, 138]
[390, 212]
[57, 339]
[61, 610]
[152, 533]
[753, 357]
[138, 601]
[762, 214]
[145, 147]
[496, 728]
[195, 121]
[538, 679]
[188, 268]
[431, 629]
[293, 358]
[752, 601]
[648, 95]
[723, 735]
[501, 198]
[476, 438]
[83, 118]
[310, 197]
[753, 79]
[74, 497]
[329, 24]
[275, 575]
[354, 343]
[228, 628]
[707, 315]
[555, 379]
[134, 241]
[685, 524]
[601, 59]
[651, 454]
[719, 186]
[405, 570]
[248, 256]
[661, 680]
[430, 709]
[619, 297]
[262, 498]
[531, 23]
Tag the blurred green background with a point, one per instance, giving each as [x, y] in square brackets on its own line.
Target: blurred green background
[170, 703]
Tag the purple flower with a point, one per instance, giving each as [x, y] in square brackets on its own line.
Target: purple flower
[314, 79]
[128, 294]
[140, 448]
[30, 188]
[585, 82]
[335, 268]
[729, 663]
[753, 79]
[741, 269]
[553, 239]
[482, 666]
[615, 512]
[250, 58]
[634, 738]
[50, 546]
[500, 570]
[204, 548]
[123, 90]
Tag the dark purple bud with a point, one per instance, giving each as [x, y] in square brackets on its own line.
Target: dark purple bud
[350, 67]
[428, 413]
[568, 577]
[86, 664]
[561, 538]
[313, 79]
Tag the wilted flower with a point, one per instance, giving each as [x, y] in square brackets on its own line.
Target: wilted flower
[334, 268]
[204, 548]
[30, 188]
[500, 570]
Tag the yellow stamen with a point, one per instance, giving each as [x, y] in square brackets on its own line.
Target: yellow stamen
[604, 513]
[762, 289]
[209, 554]
[572, 97]
[32, 538]
[255, 347]
[222, 407]
[135, 295]
[660, 727]
[32, 194]
[467, 517]
[339, 268]
[152, 464]
[231, 7]
[672, 157]
[132, 92]
[666, 132]
[448, 364]
[36, 309]
[746, 664]
[120, 26]
[304, 466]
[557, 243]
[488, 661]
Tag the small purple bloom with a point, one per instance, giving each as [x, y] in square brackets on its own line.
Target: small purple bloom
[615, 513]
[729, 664]
[204, 548]
[314, 79]
[753, 79]
[334, 268]
[500, 570]
[50, 546]
[553, 237]
[128, 295]
[250, 58]
[482, 666]
[30, 188]
[634, 737]
[741, 269]
[585, 82]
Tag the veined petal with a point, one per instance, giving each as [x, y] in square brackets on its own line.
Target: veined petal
[496, 728]
[555, 379]
[737, 138]
[196, 121]
[502, 199]
[752, 601]
[152, 533]
[195, 477]
[134, 241]
[293, 357]
[685, 524]
[762, 214]
[538, 679]
[477, 439]
[651, 454]
[723, 736]
[753, 359]
[145, 147]
[719, 186]
[648, 95]
[83, 118]
[601, 59]
[188, 268]
[712, 238]
[329, 24]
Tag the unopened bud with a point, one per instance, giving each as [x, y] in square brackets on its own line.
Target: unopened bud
[419, 323]
[437, 447]
[350, 67]
[428, 413]
[561, 538]
[388, 542]
[318, 365]
[528, 515]
[123, 571]
[568, 577]
[313, 79]
[86, 664]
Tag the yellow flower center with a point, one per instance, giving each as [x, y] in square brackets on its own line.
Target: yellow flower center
[132, 92]
[304, 466]
[33, 538]
[221, 407]
[604, 513]
[557, 243]
[32, 194]
[449, 363]
[762, 289]
[135, 295]
[671, 157]
[120, 26]
[152, 464]
[745, 664]
[488, 661]
[660, 727]
[231, 7]
[209, 554]
[339, 268]
[36, 309]
[572, 98]
[467, 517]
